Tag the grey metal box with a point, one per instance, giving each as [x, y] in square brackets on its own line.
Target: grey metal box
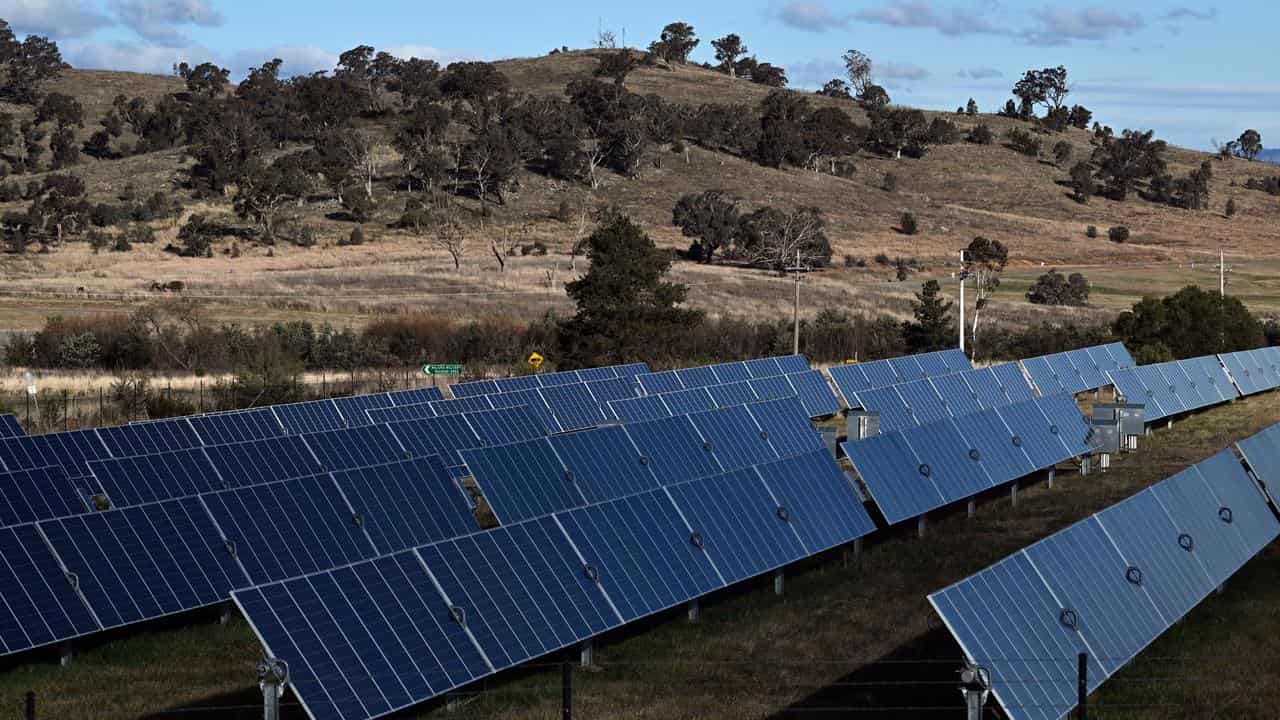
[1130, 417]
[861, 424]
[1104, 436]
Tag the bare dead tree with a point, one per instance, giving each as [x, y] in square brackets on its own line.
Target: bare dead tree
[360, 150]
[452, 238]
[785, 238]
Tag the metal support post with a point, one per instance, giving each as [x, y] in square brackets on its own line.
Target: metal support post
[273, 673]
[1170, 425]
[65, 653]
[1052, 472]
[974, 685]
[29, 705]
[566, 690]
[695, 611]
[921, 524]
[779, 580]
[1082, 686]
[588, 654]
[224, 614]
[972, 508]
[1013, 493]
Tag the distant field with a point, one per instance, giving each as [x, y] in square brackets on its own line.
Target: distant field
[839, 638]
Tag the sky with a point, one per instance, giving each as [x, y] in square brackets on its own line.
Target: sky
[1194, 72]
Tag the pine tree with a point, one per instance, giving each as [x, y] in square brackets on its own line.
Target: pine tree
[933, 327]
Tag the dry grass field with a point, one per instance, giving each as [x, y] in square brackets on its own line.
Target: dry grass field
[957, 191]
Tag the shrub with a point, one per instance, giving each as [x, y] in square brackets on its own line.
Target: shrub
[1022, 141]
[1231, 207]
[358, 205]
[564, 211]
[122, 243]
[883, 259]
[1091, 231]
[890, 183]
[1062, 152]
[98, 240]
[355, 238]
[539, 248]
[140, 233]
[981, 135]
[943, 132]
[910, 226]
[1118, 234]
[852, 261]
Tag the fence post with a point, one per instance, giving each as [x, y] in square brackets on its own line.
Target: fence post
[1082, 686]
[566, 689]
[66, 410]
[29, 705]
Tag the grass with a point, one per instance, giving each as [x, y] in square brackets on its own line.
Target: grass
[839, 637]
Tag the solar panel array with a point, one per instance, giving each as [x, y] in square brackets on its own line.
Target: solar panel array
[1171, 388]
[809, 387]
[1077, 371]
[1254, 371]
[854, 378]
[1107, 586]
[9, 426]
[546, 380]
[918, 402]
[425, 621]
[921, 468]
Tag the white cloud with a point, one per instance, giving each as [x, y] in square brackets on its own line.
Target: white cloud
[56, 18]
[812, 16]
[899, 71]
[971, 20]
[131, 57]
[298, 60]
[980, 73]
[158, 20]
[427, 52]
[1060, 26]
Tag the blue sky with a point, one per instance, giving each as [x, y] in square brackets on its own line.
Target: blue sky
[1194, 72]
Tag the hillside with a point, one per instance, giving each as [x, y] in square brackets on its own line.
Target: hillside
[957, 191]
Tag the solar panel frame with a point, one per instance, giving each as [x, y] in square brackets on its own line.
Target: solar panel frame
[1194, 510]
[160, 476]
[405, 504]
[986, 386]
[767, 368]
[1092, 375]
[240, 426]
[787, 427]
[735, 438]
[895, 414]
[923, 401]
[991, 437]
[353, 408]
[309, 417]
[881, 373]
[957, 397]
[890, 470]
[730, 394]
[1042, 376]
[933, 364]
[573, 407]
[1068, 423]
[34, 494]
[685, 402]
[1244, 502]
[955, 360]
[1066, 373]
[1031, 428]
[9, 426]
[604, 463]
[442, 436]
[640, 409]
[261, 461]
[1121, 355]
[814, 393]
[38, 604]
[523, 480]
[820, 504]
[850, 380]
[354, 447]
[660, 382]
[1014, 383]
[674, 449]
[907, 368]
[949, 458]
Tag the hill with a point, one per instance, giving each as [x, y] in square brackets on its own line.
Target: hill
[958, 191]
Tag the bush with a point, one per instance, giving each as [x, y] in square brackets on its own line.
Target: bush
[1062, 151]
[355, 238]
[106, 215]
[883, 259]
[1118, 234]
[1054, 288]
[122, 244]
[539, 248]
[358, 205]
[851, 261]
[1091, 231]
[943, 132]
[98, 240]
[564, 211]
[1022, 141]
[139, 233]
[981, 135]
[910, 226]
[890, 183]
[1231, 207]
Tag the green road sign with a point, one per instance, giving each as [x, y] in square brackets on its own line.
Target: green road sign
[441, 369]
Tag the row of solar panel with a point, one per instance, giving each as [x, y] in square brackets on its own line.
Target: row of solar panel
[71, 576]
[918, 402]
[925, 467]
[368, 639]
[545, 380]
[1254, 371]
[1171, 388]
[809, 387]
[1077, 371]
[47, 492]
[1106, 586]
[9, 426]
[534, 478]
[856, 377]
[722, 374]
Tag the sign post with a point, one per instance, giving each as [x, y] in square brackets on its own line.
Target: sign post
[437, 369]
[535, 360]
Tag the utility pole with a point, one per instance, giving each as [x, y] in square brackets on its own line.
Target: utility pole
[1222, 273]
[798, 268]
[964, 275]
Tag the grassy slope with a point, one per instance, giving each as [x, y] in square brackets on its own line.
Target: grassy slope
[840, 637]
[957, 191]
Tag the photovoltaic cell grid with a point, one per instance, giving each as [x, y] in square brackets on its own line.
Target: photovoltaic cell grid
[354, 409]
[405, 504]
[531, 401]
[309, 417]
[240, 426]
[38, 494]
[1179, 386]
[856, 377]
[162, 476]
[353, 448]
[38, 604]
[556, 379]
[71, 451]
[1106, 586]
[440, 436]
[9, 426]
[148, 438]
[415, 396]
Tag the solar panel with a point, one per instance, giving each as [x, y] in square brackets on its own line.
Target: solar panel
[333, 626]
[1102, 358]
[949, 460]
[1121, 355]
[354, 409]
[772, 388]
[523, 480]
[850, 380]
[684, 402]
[956, 395]
[473, 388]
[1130, 387]
[573, 407]
[728, 395]
[458, 406]
[1031, 432]
[1043, 376]
[649, 407]
[406, 503]
[38, 494]
[786, 426]
[955, 360]
[933, 364]
[737, 522]
[148, 478]
[1158, 392]
[1245, 506]
[604, 391]
[261, 461]
[894, 412]
[224, 428]
[148, 438]
[595, 374]
[415, 396]
[993, 440]
[1065, 373]
[1262, 452]
[731, 372]
[768, 367]
[660, 382]
[508, 425]
[603, 463]
[815, 394]
[1210, 371]
[790, 364]
[522, 590]
[1194, 510]
[289, 528]
[1181, 397]
[401, 412]
[674, 449]
[632, 370]
[697, 377]
[1068, 423]
[354, 447]
[1202, 393]
[907, 368]
[881, 373]
[517, 383]
[531, 402]
[639, 549]
[9, 426]
[309, 417]
[38, 603]
[1013, 382]
[1092, 375]
[923, 401]
[894, 476]
[819, 502]
[735, 439]
[71, 451]
[555, 379]
[145, 562]
[442, 436]
[986, 386]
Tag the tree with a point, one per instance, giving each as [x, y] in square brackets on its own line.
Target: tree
[896, 129]
[1054, 288]
[1230, 210]
[1082, 182]
[420, 142]
[781, 140]
[1046, 87]
[1190, 323]
[776, 240]
[206, 79]
[1079, 117]
[675, 43]
[265, 191]
[1062, 151]
[1126, 161]
[836, 88]
[616, 65]
[26, 66]
[1192, 192]
[830, 133]
[452, 238]
[1118, 234]
[712, 218]
[729, 49]
[857, 67]
[1250, 144]
[764, 73]
[984, 260]
[479, 85]
[972, 108]
[874, 96]
[933, 327]
[59, 208]
[626, 307]
[61, 110]
[981, 134]
[491, 160]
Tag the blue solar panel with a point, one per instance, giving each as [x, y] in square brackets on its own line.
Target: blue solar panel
[354, 409]
[993, 440]
[38, 494]
[458, 406]
[402, 412]
[786, 425]
[556, 379]
[815, 394]
[738, 393]
[894, 412]
[660, 382]
[573, 407]
[355, 447]
[233, 427]
[1032, 432]
[9, 426]
[933, 364]
[1102, 359]
[881, 373]
[1065, 372]
[1182, 397]
[407, 503]
[907, 368]
[850, 380]
[731, 373]
[649, 407]
[1092, 375]
[289, 528]
[738, 523]
[1202, 393]
[894, 476]
[956, 395]
[955, 360]
[923, 401]
[1043, 376]
[772, 388]
[517, 383]
[790, 364]
[334, 626]
[604, 391]
[949, 460]
[145, 562]
[1013, 382]
[1158, 392]
[768, 367]
[148, 438]
[1130, 387]
[1262, 452]
[523, 480]
[684, 402]
[1208, 370]
[596, 373]
[38, 604]
[1068, 423]
[674, 449]
[494, 578]
[1194, 511]
[632, 370]
[415, 396]
[473, 389]
[735, 439]
[309, 417]
[639, 549]
[71, 451]
[260, 461]
[1246, 506]
[986, 386]
[508, 425]
[697, 377]
[442, 436]
[1121, 355]
[531, 401]
[820, 504]
[604, 463]
[148, 478]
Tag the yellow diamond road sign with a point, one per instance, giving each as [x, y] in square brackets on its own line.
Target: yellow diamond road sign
[535, 360]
